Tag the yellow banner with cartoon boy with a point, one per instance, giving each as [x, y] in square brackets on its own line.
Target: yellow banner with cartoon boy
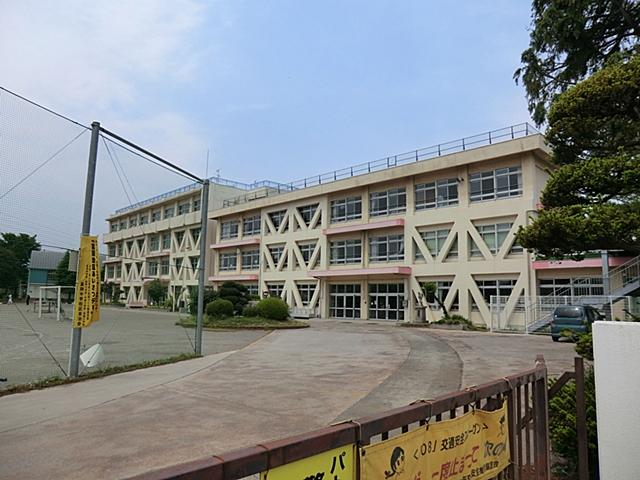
[473, 446]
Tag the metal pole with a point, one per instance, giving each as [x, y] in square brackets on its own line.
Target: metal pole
[58, 308]
[203, 253]
[40, 303]
[605, 272]
[76, 333]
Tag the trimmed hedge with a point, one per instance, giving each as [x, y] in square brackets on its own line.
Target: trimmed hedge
[220, 308]
[250, 311]
[274, 308]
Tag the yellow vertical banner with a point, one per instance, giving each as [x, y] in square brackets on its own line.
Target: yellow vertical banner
[87, 307]
[336, 464]
[474, 446]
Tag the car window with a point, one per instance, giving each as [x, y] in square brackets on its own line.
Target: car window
[568, 312]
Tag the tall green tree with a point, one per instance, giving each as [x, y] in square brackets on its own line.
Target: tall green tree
[570, 40]
[9, 269]
[64, 277]
[20, 245]
[156, 291]
[592, 201]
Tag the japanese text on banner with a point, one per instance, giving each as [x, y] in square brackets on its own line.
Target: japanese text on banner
[474, 446]
[87, 308]
[336, 464]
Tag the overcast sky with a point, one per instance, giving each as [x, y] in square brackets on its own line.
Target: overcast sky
[279, 89]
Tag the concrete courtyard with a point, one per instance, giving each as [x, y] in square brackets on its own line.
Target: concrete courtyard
[283, 383]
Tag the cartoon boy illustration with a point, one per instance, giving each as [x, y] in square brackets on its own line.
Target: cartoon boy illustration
[396, 463]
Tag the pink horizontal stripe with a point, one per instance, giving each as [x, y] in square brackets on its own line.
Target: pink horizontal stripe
[398, 222]
[236, 243]
[234, 278]
[362, 271]
[586, 263]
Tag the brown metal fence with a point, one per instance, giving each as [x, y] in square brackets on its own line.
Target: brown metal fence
[525, 393]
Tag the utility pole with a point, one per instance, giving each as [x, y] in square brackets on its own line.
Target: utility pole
[204, 211]
[76, 333]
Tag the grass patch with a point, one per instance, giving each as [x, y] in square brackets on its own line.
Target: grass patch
[103, 372]
[247, 323]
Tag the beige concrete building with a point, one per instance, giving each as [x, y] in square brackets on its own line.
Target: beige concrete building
[360, 243]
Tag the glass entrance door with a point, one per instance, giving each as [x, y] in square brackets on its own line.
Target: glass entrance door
[344, 301]
[386, 301]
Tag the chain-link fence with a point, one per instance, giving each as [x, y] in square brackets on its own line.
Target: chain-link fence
[149, 246]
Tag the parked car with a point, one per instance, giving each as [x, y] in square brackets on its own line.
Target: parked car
[576, 319]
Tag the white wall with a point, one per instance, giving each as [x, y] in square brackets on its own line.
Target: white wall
[616, 348]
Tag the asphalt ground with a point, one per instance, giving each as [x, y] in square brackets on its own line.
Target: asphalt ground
[32, 348]
[284, 383]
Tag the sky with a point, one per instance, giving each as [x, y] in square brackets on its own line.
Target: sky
[276, 90]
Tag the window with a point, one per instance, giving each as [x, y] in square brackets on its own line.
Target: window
[114, 227]
[166, 241]
[179, 238]
[168, 212]
[589, 286]
[122, 225]
[118, 271]
[194, 262]
[133, 222]
[251, 225]
[489, 288]
[386, 301]
[196, 204]
[500, 183]
[153, 268]
[251, 259]
[195, 234]
[307, 212]
[183, 208]
[386, 248]
[110, 272]
[388, 202]
[127, 268]
[228, 261]
[346, 209]
[155, 216]
[164, 266]
[441, 193]
[442, 290]
[143, 219]
[277, 218]
[252, 289]
[306, 291]
[276, 252]
[345, 251]
[154, 243]
[140, 243]
[275, 289]
[129, 247]
[493, 235]
[229, 229]
[307, 249]
[178, 264]
[111, 250]
[435, 240]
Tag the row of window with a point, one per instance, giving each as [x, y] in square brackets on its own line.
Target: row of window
[154, 242]
[182, 208]
[154, 267]
[493, 184]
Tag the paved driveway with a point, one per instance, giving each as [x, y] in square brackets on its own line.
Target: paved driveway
[284, 383]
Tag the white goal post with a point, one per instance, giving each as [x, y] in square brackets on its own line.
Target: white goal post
[58, 289]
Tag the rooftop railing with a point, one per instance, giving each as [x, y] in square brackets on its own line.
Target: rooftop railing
[467, 143]
[197, 186]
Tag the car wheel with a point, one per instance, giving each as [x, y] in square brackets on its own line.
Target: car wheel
[555, 339]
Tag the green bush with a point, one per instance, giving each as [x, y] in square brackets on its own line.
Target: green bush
[274, 308]
[584, 346]
[220, 308]
[236, 293]
[250, 311]
[455, 320]
[562, 424]
[209, 296]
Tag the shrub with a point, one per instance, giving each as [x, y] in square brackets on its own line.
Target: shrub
[250, 311]
[236, 293]
[273, 308]
[584, 346]
[220, 308]
[209, 296]
[455, 320]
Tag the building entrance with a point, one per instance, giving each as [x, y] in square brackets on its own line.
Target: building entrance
[345, 301]
[386, 301]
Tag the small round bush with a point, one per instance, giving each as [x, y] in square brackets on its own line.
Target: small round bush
[273, 308]
[220, 308]
[250, 311]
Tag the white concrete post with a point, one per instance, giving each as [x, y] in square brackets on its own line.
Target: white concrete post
[58, 307]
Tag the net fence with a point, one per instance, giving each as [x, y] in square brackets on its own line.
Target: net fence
[147, 219]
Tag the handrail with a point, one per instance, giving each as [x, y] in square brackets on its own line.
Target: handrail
[466, 143]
